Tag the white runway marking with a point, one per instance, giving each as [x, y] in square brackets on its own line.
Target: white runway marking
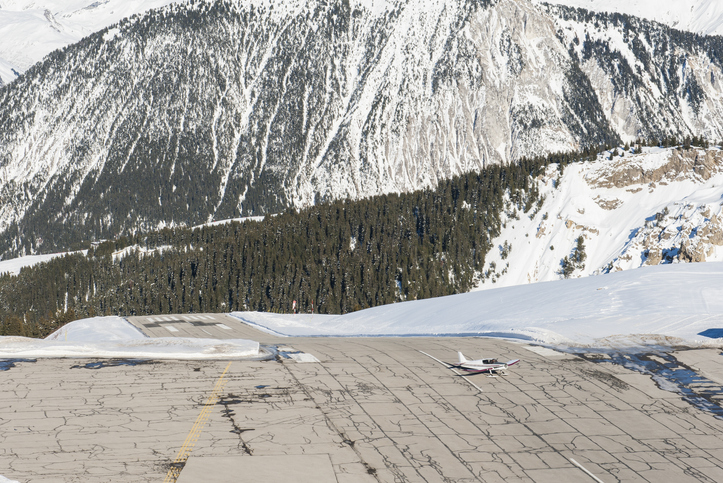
[545, 352]
[225, 327]
[171, 328]
[303, 357]
[586, 471]
[455, 371]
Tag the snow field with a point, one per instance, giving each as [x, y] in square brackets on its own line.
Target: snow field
[31, 29]
[667, 305]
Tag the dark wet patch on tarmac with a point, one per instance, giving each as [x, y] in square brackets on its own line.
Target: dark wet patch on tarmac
[7, 364]
[230, 414]
[112, 363]
[670, 375]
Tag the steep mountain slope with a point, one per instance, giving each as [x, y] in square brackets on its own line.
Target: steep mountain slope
[31, 29]
[700, 16]
[649, 81]
[656, 207]
[218, 109]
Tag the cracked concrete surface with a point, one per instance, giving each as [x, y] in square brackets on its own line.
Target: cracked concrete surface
[375, 408]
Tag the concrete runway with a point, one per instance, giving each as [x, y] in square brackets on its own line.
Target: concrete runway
[371, 410]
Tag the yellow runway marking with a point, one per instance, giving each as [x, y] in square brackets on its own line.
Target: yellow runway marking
[195, 433]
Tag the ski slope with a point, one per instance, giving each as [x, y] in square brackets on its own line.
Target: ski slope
[14, 265]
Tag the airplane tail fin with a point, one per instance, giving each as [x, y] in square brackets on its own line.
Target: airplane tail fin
[462, 358]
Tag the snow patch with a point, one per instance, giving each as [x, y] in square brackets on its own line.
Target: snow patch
[115, 337]
[111, 34]
[14, 265]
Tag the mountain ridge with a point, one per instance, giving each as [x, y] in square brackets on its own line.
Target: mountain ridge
[31, 29]
[275, 109]
[703, 17]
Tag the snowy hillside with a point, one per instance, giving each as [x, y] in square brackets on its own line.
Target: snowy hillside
[660, 206]
[320, 101]
[672, 305]
[31, 29]
[700, 16]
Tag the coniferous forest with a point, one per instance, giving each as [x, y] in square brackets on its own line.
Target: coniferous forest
[336, 258]
[332, 258]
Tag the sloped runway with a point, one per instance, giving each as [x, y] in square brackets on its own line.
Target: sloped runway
[371, 409]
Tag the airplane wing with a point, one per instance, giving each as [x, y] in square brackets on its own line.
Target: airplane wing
[507, 364]
[476, 371]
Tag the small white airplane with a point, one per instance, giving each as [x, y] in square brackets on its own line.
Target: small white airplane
[483, 366]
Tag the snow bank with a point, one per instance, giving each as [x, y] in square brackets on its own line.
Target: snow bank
[97, 329]
[157, 348]
[5, 480]
[114, 337]
[677, 305]
[667, 305]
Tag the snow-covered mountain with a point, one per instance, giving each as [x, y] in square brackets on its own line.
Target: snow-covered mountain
[31, 29]
[221, 109]
[658, 206]
[704, 17]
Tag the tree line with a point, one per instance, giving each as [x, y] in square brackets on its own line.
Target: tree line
[333, 258]
[336, 257]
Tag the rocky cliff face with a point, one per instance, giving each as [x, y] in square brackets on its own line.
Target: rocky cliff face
[627, 209]
[651, 82]
[217, 109]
